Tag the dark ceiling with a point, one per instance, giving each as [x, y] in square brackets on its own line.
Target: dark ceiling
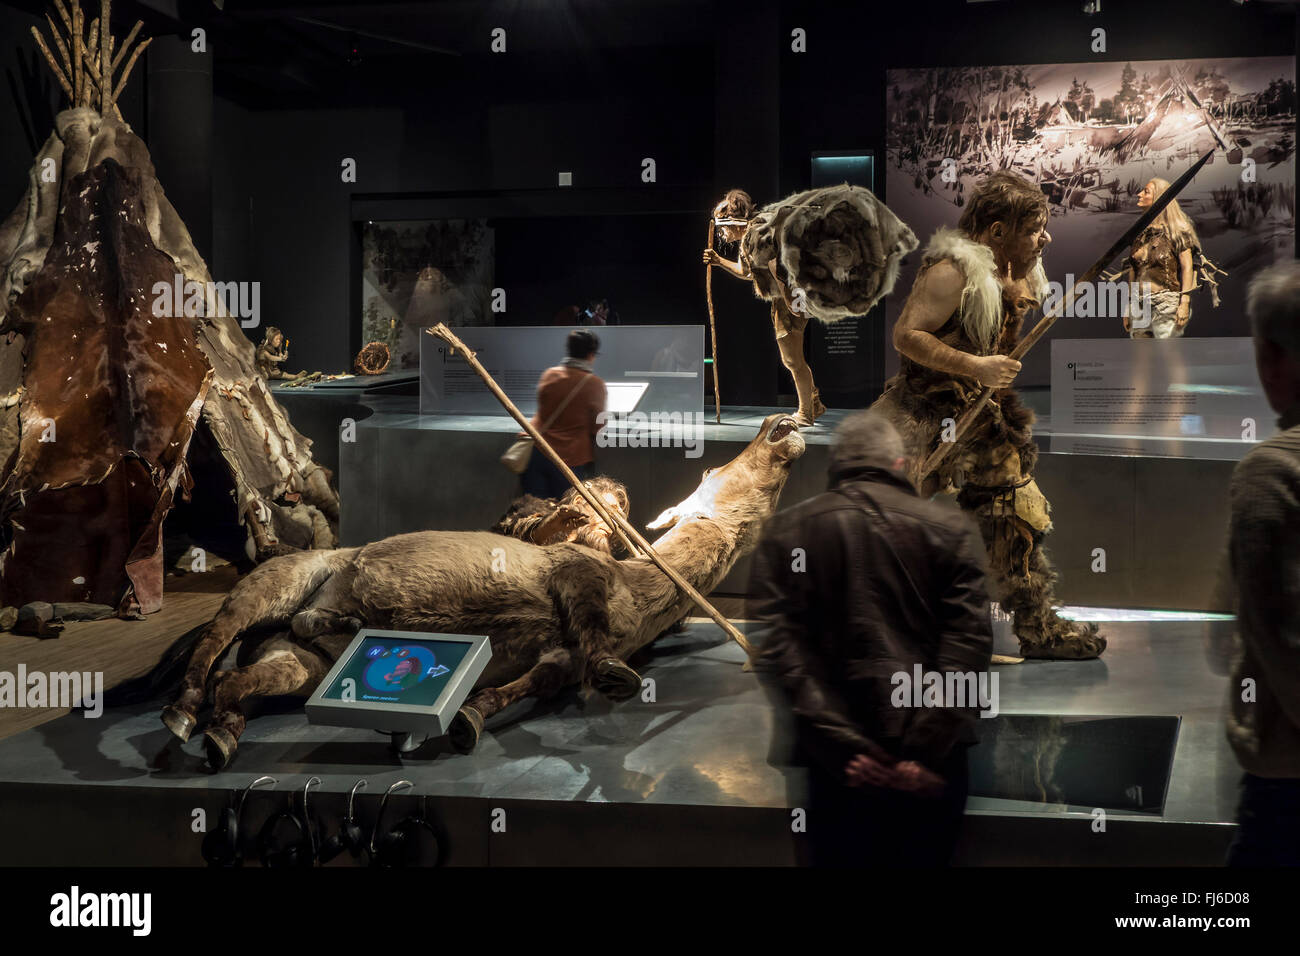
[337, 53]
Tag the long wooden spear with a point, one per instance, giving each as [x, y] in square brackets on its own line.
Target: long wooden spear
[968, 417]
[713, 326]
[613, 519]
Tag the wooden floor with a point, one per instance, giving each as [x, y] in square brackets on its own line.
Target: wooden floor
[120, 649]
[123, 650]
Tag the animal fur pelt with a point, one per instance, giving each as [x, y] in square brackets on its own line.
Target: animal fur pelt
[111, 399]
[282, 497]
[981, 296]
[567, 518]
[840, 244]
[556, 615]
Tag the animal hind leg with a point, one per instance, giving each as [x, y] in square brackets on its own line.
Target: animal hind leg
[283, 669]
[580, 590]
[554, 670]
[269, 595]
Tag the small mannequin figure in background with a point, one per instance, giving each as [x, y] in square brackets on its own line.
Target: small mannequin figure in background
[273, 350]
[1164, 264]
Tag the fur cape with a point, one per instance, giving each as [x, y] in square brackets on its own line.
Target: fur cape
[840, 244]
[981, 296]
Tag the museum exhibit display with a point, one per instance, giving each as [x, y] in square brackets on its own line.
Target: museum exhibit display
[384, 483]
[829, 253]
[84, 513]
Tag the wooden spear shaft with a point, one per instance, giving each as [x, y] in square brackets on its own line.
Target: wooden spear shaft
[105, 60]
[713, 327]
[613, 519]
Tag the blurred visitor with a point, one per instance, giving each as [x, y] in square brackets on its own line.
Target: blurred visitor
[1264, 561]
[569, 398]
[852, 588]
[569, 315]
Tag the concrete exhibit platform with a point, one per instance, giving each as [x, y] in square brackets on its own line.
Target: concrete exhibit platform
[684, 779]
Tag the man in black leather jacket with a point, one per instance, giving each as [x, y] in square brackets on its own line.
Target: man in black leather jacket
[852, 589]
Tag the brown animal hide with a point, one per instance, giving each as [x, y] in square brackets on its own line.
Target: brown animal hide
[553, 613]
[840, 244]
[111, 397]
[567, 518]
[282, 497]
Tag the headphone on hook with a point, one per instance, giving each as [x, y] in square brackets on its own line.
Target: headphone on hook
[350, 836]
[221, 846]
[400, 846]
[299, 850]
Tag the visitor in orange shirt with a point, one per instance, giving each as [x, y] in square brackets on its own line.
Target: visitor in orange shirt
[569, 398]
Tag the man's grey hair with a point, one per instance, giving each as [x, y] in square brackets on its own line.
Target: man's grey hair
[1273, 305]
[866, 437]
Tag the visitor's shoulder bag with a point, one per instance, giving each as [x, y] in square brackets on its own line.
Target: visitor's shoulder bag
[517, 455]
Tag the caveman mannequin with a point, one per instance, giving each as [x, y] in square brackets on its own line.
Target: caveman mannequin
[963, 316]
[273, 350]
[732, 215]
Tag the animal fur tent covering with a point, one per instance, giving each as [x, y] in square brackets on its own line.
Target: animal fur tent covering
[121, 390]
[840, 244]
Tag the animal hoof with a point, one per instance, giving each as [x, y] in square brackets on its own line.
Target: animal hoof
[179, 722]
[616, 680]
[465, 729]
[220, 745]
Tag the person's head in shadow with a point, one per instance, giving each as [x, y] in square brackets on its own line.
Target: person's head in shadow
[865, 439]
[1273, 305]
[582, 344]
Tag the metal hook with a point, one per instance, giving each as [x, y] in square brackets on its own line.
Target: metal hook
[306, 818]
[253, 786]
[383, 803]
[359, 785]
[307, 787]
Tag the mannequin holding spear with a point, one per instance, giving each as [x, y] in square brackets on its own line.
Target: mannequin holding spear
[960, 348]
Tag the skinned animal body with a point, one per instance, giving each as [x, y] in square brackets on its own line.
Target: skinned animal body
[557, 615]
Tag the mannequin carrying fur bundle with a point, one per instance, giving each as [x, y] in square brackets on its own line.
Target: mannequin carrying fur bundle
[827, 253]
[962, 319]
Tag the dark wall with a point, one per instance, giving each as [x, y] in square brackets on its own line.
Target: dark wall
[739, 108]
[509, 124]
[711, 90]
[27, 104]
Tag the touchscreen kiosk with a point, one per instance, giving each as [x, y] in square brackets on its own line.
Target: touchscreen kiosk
[401, 682]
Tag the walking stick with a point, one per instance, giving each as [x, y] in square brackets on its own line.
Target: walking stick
[713, 327]
[968, 417]
[617, 522]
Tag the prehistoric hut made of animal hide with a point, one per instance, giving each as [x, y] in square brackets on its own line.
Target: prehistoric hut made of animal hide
[116, 403]
[840, 244]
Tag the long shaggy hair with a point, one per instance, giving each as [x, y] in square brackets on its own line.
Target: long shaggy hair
[1004, 197]
[1175, 223]
[736, 204]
